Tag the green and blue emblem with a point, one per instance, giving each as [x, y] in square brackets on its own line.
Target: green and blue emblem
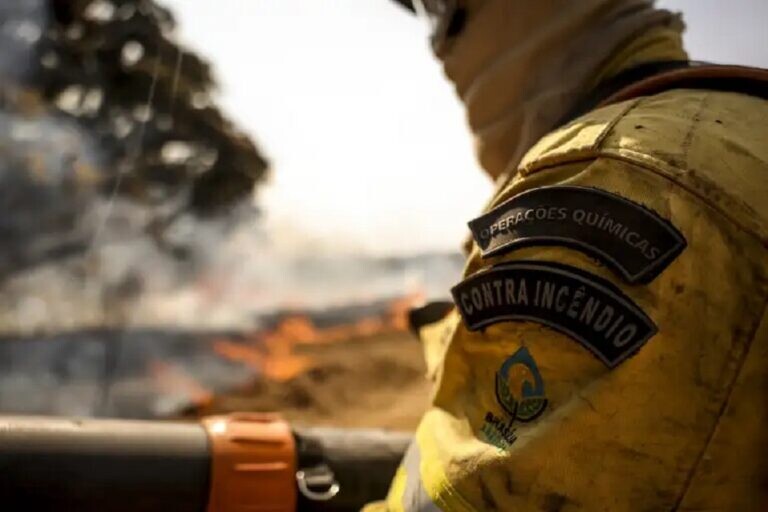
[520, 388]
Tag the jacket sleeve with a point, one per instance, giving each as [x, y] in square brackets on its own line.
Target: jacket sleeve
[570, 377]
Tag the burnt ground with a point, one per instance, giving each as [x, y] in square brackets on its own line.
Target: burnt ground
[372, 382]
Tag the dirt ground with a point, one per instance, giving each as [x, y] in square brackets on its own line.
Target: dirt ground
[375, 382]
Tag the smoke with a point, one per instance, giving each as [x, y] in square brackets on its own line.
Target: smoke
[63, 373]
[91, 301]
[68, 258]
[74, 257]
[261, 267]
[21, 26]
[96, 288]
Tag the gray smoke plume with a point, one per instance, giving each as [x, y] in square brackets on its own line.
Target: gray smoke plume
[124, 243]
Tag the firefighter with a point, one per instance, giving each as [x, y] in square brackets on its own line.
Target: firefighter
[608, 348]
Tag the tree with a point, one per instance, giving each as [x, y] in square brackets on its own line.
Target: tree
[112, 70]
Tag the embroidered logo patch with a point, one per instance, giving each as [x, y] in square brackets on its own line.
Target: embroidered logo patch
[520, 392]
[588, 308]
[520, 388]
[632, 240]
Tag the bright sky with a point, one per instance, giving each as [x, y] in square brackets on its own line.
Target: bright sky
[368, 143]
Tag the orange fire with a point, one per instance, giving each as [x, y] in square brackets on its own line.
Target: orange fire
[275, 364]
[273, 353]
[172, 378]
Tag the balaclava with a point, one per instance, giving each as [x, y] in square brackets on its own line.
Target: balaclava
[520, 65]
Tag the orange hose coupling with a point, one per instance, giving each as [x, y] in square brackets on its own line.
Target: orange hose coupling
[253, 459]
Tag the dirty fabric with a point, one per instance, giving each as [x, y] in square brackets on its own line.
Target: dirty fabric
[525, 416]
[678, 424]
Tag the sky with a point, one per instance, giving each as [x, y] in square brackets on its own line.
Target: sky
[368, 144]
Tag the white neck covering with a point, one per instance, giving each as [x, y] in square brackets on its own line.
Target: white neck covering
[520, 65]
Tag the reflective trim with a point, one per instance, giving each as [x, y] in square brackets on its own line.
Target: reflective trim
[415, 497]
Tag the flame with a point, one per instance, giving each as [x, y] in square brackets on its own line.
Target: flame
[273, 353]
[275, 364]
[172, 378]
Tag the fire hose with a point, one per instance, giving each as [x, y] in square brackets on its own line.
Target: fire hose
[235, 463]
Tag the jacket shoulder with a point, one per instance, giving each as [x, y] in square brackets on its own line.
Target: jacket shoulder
[711, 143]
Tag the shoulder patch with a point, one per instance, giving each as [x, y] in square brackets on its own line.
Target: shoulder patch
[632, 240]
[588, 308]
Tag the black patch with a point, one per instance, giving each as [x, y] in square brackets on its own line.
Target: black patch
[631, 239]
[586, 307]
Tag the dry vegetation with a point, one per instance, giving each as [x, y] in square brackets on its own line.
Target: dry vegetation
[370, 382]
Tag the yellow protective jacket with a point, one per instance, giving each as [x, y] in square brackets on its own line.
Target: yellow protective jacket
[609, 346]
